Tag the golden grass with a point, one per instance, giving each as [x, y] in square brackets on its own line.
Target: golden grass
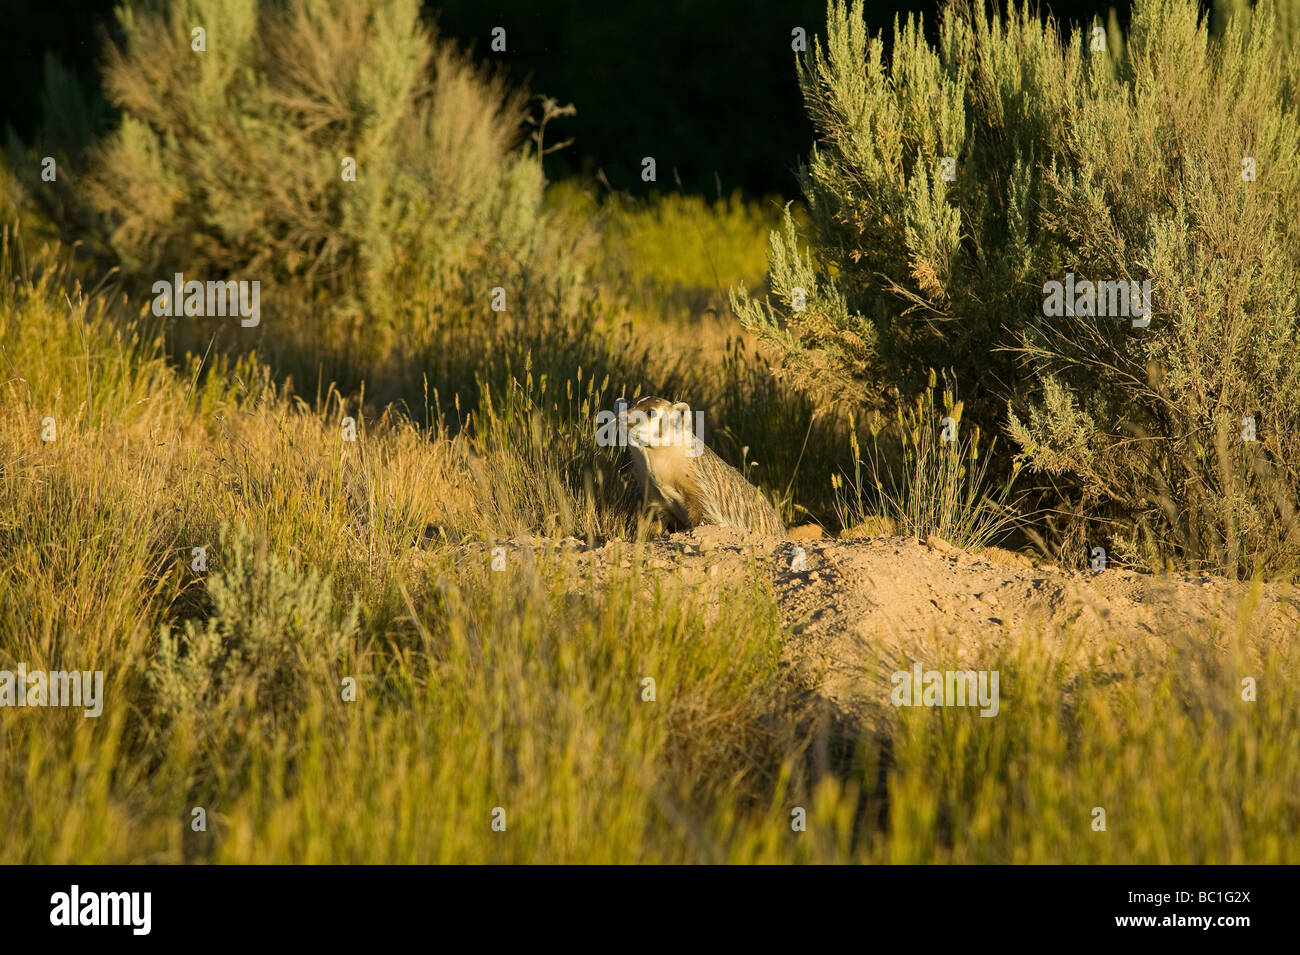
[520, 690]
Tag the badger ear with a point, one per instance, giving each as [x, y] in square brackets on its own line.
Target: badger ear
[682, 408]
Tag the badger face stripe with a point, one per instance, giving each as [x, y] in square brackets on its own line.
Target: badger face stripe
[642, 430]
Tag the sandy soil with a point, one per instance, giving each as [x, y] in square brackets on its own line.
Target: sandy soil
[857, 609]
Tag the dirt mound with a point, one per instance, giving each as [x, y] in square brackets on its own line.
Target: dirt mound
[858, 609]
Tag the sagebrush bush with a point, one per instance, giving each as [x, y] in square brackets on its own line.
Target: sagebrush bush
[273, 641]
[370, 176]
[1149, 425]
[1115, 158]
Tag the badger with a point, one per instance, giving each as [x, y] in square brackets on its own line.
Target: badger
[682, 480]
